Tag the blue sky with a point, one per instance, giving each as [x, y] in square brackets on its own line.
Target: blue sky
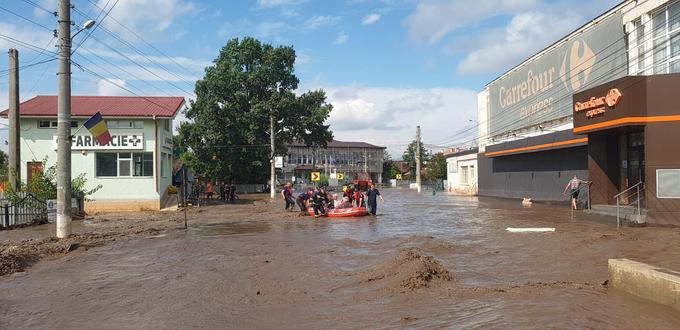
[387, 65]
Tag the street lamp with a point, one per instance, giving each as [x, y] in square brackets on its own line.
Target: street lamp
[86, 26]
[64, 119]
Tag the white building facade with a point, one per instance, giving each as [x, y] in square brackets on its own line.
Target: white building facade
[461, 177]
[134, 170]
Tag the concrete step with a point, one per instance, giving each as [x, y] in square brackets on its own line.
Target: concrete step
[627, 213]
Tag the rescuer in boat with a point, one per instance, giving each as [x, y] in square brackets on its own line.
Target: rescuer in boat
[372, 195]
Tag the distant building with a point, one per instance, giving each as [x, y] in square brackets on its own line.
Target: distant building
[461, 173]
[339, 157]
[134, 169]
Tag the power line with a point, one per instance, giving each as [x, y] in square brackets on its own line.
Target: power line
[53, 13]
[143, 40]
[98, 22]
[25, 18]
[120, 86]
[138, 51]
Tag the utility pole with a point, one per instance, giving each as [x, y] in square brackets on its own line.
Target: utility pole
[64, 122]
[14, 148]
[418, 158]
[272, 186]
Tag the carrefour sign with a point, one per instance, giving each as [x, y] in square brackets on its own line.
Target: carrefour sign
[541, 90]
[118, 142]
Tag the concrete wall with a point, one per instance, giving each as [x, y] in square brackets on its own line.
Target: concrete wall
[541, 176]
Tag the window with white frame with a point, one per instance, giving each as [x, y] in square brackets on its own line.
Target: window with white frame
[124, 164]
[666, 39]
[464, 175]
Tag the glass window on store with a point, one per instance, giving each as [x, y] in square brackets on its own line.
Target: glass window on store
[464, 175]
[124, 164]
[107, 164]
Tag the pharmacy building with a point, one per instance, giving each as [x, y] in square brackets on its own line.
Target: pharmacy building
[134, 169]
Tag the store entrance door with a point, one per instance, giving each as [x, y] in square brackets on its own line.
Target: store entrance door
[632, 153]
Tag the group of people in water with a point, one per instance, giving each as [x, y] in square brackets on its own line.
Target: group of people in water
[320, 201]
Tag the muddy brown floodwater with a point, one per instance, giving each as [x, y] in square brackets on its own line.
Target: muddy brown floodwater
[426, 261]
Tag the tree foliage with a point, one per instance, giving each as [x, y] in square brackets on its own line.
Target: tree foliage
[409, 156]
[228, 133]
[436, 167]
[43, 185]
[390, 169]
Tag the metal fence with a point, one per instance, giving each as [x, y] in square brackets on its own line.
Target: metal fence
[26, 209]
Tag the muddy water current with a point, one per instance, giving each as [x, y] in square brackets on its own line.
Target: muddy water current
[425, 261]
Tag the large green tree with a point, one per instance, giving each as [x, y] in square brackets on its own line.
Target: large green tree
[409, 156]
[436, 167]
[227, 136]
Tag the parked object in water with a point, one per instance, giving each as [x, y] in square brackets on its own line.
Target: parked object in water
[526, 202]
[342, 213]
[530, 230]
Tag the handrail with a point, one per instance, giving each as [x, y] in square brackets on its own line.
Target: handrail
[627, 190]
[638, 201]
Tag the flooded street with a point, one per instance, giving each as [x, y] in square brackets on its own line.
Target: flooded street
[425, 261]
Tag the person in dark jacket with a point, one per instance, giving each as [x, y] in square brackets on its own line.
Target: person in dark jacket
[372, 195]
[232, 193]
[302, 200]
[318, 202]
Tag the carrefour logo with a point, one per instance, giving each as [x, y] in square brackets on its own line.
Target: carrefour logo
[577, 65]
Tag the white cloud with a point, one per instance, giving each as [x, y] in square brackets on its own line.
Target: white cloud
[278, 3]
[525, 35]
[110, 87]
[389, 116]
[145, 17]
[50, 5]
[341, 39]
[434, 19]
[269, 29]
[192, 65]
[370, 19]
[38, 38]
[319, 21]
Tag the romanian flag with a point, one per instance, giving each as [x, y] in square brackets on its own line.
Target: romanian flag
[97, 127]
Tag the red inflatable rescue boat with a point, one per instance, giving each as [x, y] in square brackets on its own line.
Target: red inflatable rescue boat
[342, 213]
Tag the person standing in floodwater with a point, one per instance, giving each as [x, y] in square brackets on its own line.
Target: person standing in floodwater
[573, 187]
[232, 193]
[318, 201]
[372, 195]
[287, 193]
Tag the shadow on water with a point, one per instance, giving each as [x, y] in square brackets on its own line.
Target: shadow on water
[228, 229]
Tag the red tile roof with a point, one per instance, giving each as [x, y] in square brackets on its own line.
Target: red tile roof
[109, 106]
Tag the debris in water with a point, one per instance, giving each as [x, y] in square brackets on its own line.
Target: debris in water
[530, 230]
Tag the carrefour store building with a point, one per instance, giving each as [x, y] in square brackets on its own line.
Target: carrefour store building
[134, 169]
[600, 103]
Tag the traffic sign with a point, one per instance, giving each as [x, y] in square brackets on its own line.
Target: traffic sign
[340, 176]
[398, 177]
[316, 176]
